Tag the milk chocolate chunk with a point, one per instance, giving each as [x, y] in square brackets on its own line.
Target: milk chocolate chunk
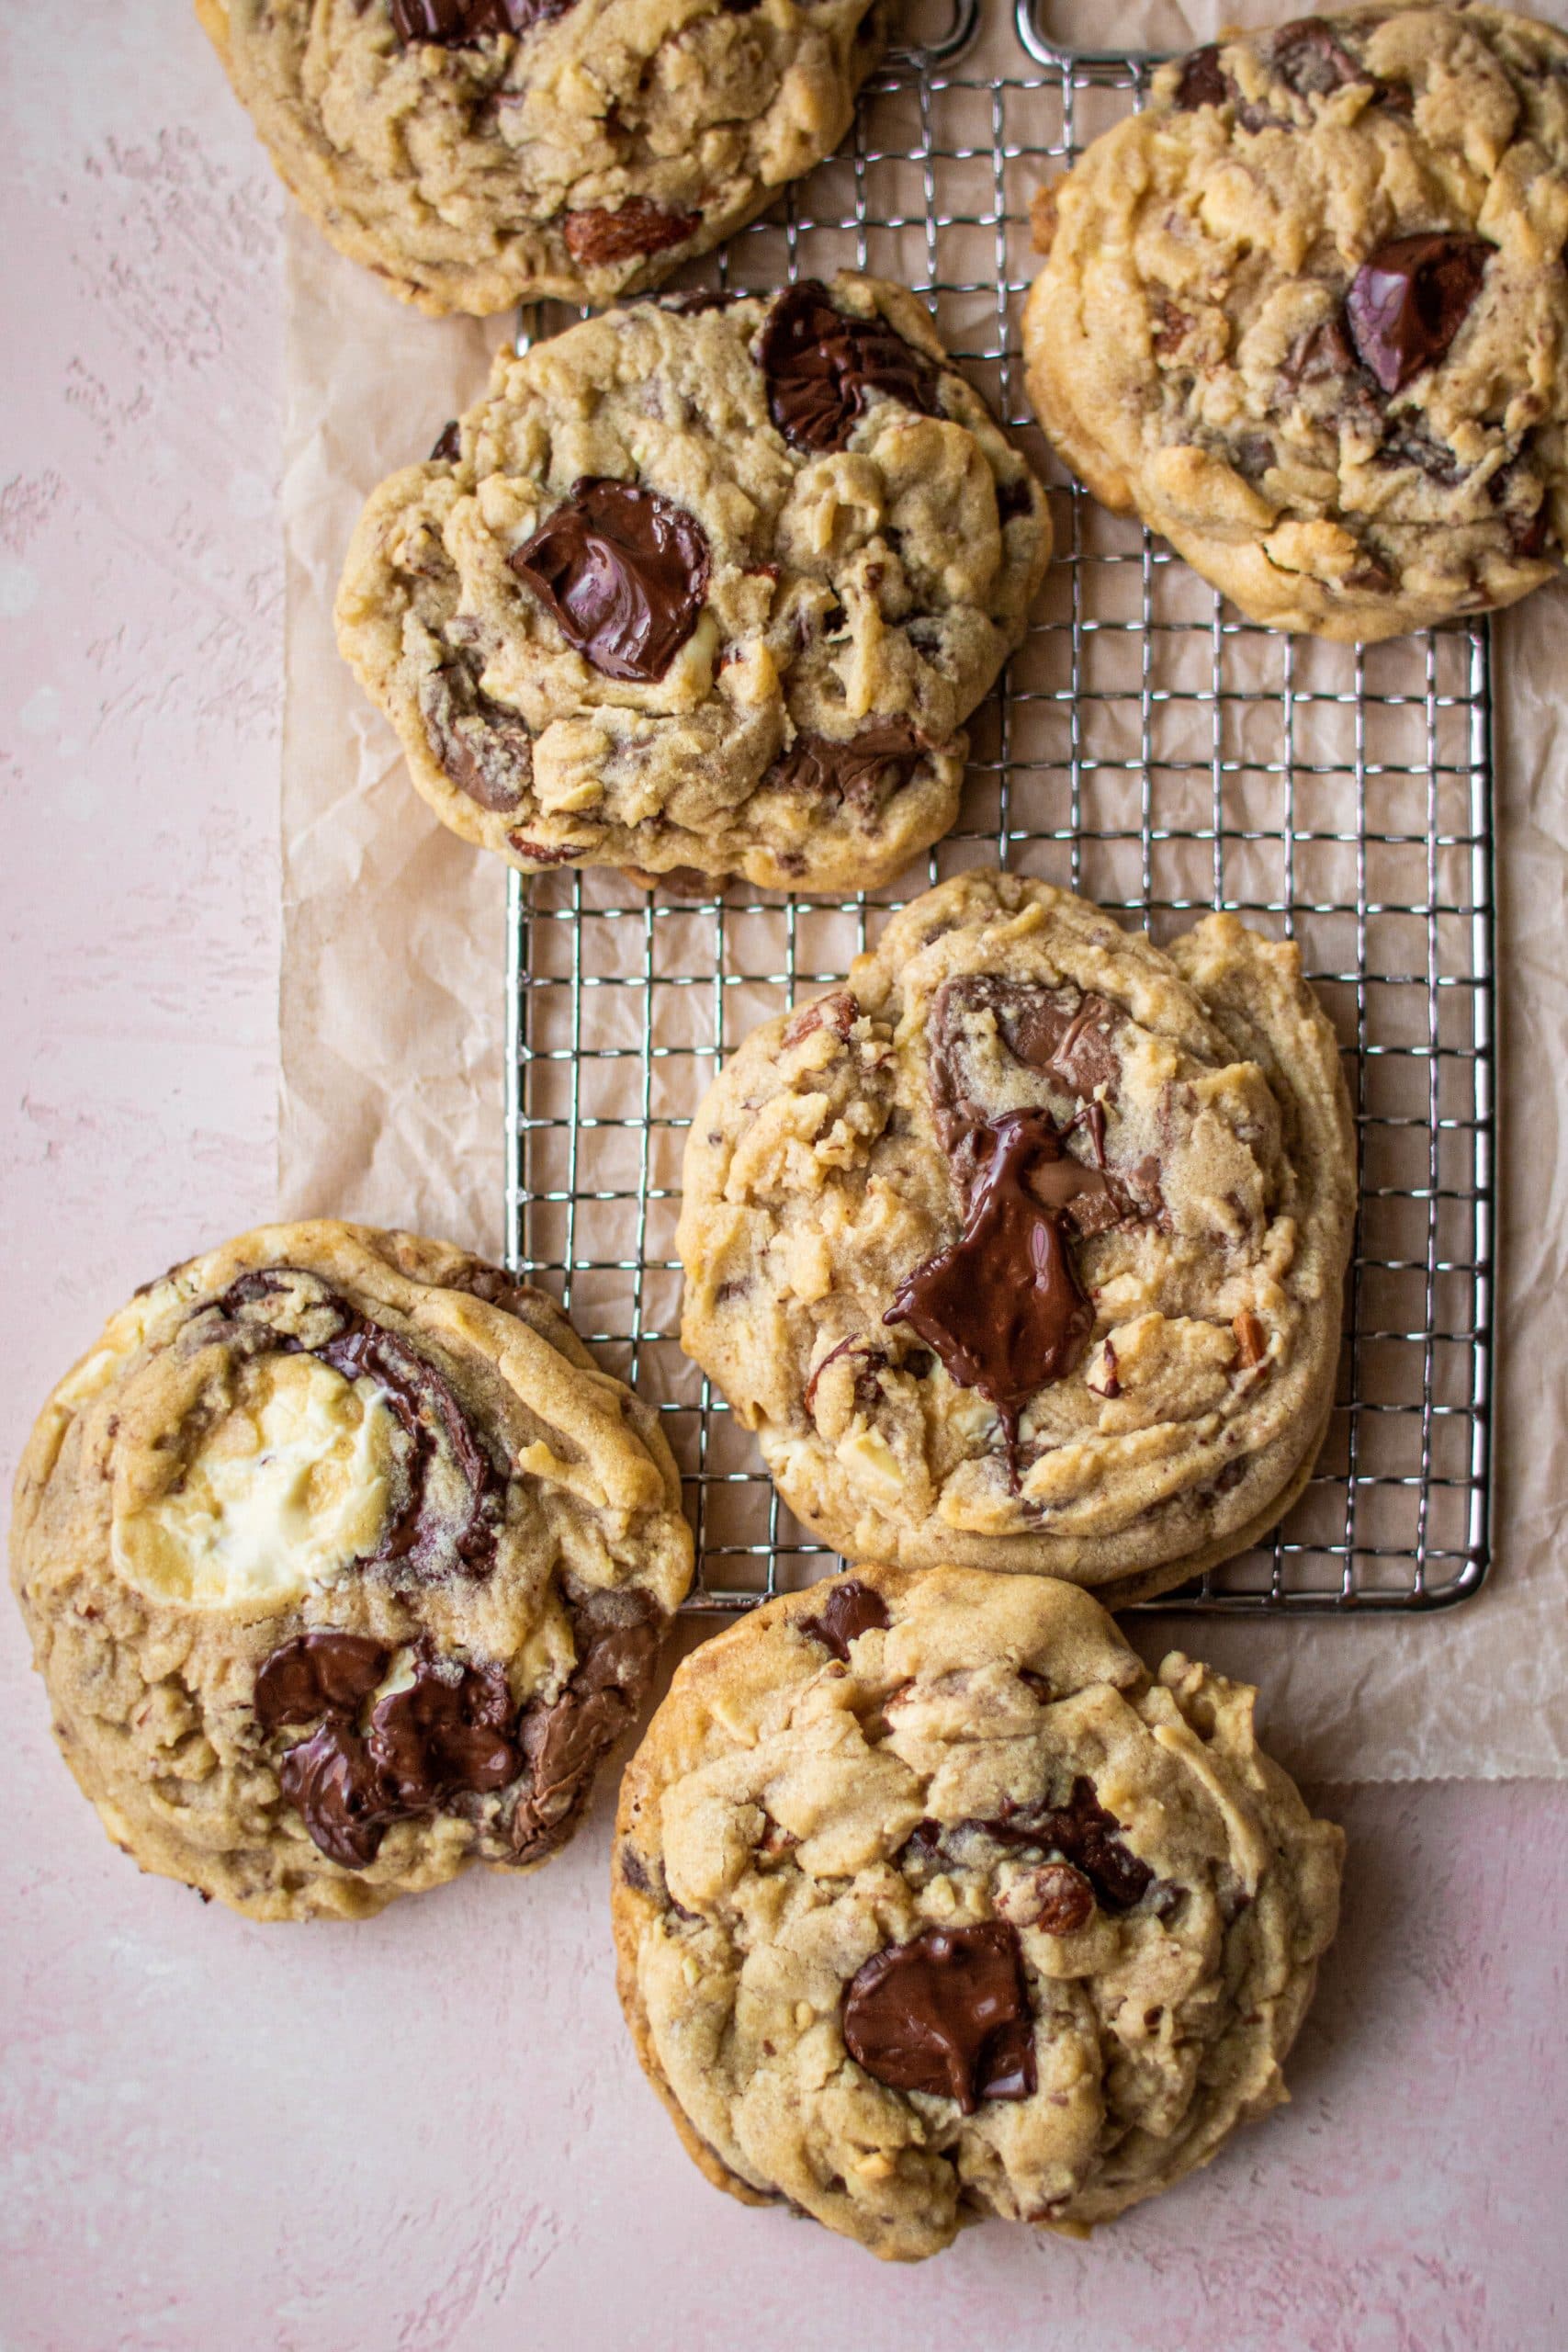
[456, 24]
[1202, 81]
[1409, 300]
[820, 366]
[319, 1673]
[1003, 1307]
[484, 748]
[563, 1741]
[638, 227]
[860, 772]
[948, 2014]
[851, 1610]
[625, 573]
[449, 447]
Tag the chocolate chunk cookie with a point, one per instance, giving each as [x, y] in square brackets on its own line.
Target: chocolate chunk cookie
[709, 587]
[1024, 1248]
[1307, 315]
[480, 153]
[343, 1564]
[964, 1915]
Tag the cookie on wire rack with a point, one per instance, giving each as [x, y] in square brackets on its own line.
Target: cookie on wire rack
[1306, 315]
[475, 154]
[1025, 1248]
[343, 1564]
[709, 584]
[929, 1903]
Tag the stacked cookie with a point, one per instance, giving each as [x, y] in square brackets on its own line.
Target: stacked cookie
[1021, 1252]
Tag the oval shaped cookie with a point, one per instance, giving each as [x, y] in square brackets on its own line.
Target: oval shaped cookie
[343, 1565]
[1306, 315]
[707, 587]
[480, 153]
[1024, 1248]
[930, 1903]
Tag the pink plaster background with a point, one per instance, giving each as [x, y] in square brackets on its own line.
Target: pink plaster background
[430, 2132]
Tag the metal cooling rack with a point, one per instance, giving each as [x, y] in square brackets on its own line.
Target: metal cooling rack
[1148, 747]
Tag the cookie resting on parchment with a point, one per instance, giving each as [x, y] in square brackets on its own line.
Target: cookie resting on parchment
[475, 154]
[702, 585]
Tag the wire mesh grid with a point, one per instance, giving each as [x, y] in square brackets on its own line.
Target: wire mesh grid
[1148, 747]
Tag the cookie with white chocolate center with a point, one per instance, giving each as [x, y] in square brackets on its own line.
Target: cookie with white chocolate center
[345, 1565]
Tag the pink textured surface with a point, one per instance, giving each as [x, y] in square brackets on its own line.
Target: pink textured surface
[430, 2132]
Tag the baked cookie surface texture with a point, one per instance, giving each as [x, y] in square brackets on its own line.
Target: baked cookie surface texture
[343, 1565]
[1025, 1248]
[930, 1903]
[1307, 315]
[480, 153]
[702, 585]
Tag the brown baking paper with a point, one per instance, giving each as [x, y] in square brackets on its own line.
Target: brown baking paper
[393, 997]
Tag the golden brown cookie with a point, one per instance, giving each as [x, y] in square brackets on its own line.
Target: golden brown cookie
[343, 1564]
[1025, 1248]
[480, 153]
[710, 587]
[1306, 315]
[929, 1903]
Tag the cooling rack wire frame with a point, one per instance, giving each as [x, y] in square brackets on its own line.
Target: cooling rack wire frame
[1148, 747]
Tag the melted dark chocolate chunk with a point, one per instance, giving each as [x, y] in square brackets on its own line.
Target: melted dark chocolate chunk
[331, 1782]
[1409, 300]
[1084, 1834]
[321, 1673]
[863, 772]
[851, 1610]
[820, 365]
[948, 2014]
[482, 746]
[624, 572]
[618, 1636]
[1014, 498]
[1202, 81]
[449, 447]
[442, 1734]
[422, 1535]
[596, 237]
[1068, 1037]
[1002, 1306]
[428, 1413]
[457, 24]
